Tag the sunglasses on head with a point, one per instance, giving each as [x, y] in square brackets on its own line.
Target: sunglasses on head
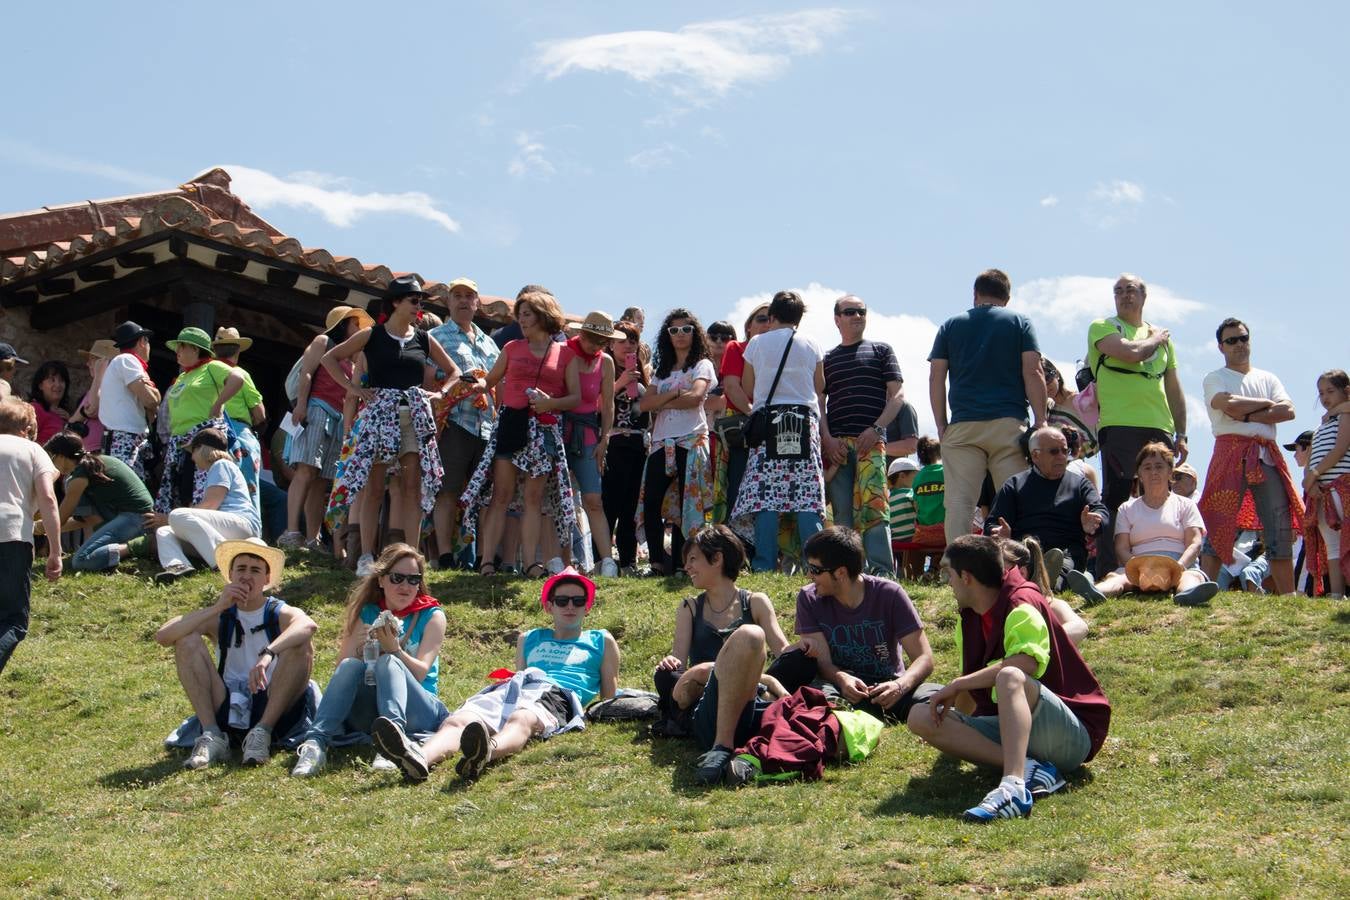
[1237, 339]
[680, 329]
[414, 578]
[853, 312]
[562, 600]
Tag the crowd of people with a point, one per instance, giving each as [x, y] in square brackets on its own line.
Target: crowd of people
[568, 449]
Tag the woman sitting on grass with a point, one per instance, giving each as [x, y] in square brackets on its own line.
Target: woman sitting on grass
[1026, 555]
[559, 671]
[400, 685]
[1155, 523]
[118, 498]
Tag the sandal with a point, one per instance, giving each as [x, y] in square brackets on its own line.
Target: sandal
[543, 572]
[488, 569]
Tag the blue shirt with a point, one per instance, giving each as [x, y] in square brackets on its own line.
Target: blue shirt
[418, 621]
[571, 665]
[473, 350]
[237, 498]
[983, 347]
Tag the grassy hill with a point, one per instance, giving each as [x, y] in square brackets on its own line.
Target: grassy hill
[1225, 772]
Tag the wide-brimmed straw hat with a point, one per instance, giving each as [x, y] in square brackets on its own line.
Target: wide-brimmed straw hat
[340, 313]
[101, 349]
[597, 324]
[1154, 574]
[226, 551]
[231, 336]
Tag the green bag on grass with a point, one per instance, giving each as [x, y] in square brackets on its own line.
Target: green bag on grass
[861, 733]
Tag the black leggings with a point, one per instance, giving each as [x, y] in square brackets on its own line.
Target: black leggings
[620, 487]
[657, 482]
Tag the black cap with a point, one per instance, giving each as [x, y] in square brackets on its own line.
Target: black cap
[1303, 440]
[404, 286]
[129, 333]
[7, 351]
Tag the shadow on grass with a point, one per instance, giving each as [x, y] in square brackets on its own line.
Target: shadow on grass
[135, 779]
[950, 788]
[1341, 617]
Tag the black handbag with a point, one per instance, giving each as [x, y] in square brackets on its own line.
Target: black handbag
[756, 430]
[513, 428]
[730, 430]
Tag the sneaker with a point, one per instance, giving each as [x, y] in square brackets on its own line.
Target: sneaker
[365, 565]
[1000, 803]
[475, 747]
[1201, 593]
[382, 764]
[1082, 585]
[394, 744]
[629, 572]
[742, 770]
[315, 545]
[291, 540]
[310, 758]
[1042, 778]
[609, 568]
[211, 748]
[1054, 565]
[173, 573]
[555, 565]
[712, 766]
[257, 746]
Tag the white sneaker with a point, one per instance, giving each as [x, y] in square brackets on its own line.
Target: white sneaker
[310, 758]
[290, 540]
[211, 748]
[609, 568]
[257, 746]
[365, 565]
[382, 764]
[554, 565]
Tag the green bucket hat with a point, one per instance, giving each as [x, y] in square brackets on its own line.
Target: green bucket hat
[193, 337]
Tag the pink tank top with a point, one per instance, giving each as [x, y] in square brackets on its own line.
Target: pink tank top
[524, 369]
[324, 387]
[590, 386]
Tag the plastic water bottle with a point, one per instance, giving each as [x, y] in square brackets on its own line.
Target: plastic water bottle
[370, 654]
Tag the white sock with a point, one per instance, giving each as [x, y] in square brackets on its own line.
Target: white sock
[1014, 783]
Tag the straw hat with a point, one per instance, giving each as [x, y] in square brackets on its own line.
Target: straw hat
[231, 336]
[226, 551]
[339, 313]
[597, 324]
[1154, 574]
[101, 349]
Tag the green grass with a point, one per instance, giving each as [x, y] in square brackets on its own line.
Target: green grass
[1225, 772]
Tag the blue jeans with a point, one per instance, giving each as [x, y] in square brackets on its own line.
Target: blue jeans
[349, 704]
[766, 537]
[99, 554]
[877, 539]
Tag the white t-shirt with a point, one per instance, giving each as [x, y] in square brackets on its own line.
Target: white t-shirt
[1258, 384]
[798, 384]
[244, 657]
[118, 409]
[1158, 530]
[672, 423]
[22, 463]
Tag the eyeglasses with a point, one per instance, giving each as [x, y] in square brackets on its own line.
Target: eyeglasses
[853, 312]
[1237, 339]
[1127, 289]
[414, 578]
[562, 600]
[719, 337]
[1053, 451]
[414, 299]
[679, 329]
[813, 569]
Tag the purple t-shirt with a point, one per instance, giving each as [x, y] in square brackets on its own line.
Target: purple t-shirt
[864, 641]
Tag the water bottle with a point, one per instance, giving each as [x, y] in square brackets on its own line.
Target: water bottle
[370, 654]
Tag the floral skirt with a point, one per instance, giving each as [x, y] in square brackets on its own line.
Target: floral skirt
[780, 485]
[375, 439]
[177, 458]
[692, 509]
[541, 456]
[131, 448]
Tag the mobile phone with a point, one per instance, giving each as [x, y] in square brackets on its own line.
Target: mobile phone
[466, 377]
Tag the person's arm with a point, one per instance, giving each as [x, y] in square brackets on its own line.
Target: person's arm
[1176, 402]
[203, 621]
[609, 669]
[432, 637]
[572, 378]
[443, 362]
[748, 384]
[74, 491]
[1093, 507]
[655, 400]
[213, 497]
[1117, 346]
[1033, 382]
[495, 376]
[233, 383]
[1124, 548]
[1003, 512]
[692, 398]
[606, 410]
[732, 387]
[1239, 408]
[1277, 412]
[895, 398]
[937, 393]
[679, 646]
[145, 392]
[257, 416]
[1194, 538]
[814, 644]
[920, 656]
[690, 685]
[1334, 456]
[761, 610]
[942, 701]
[297, 629]
[45, 490]
[346, 350]
[309, 365]
[349, 400]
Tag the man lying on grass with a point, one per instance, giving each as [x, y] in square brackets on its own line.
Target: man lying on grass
[1039, 710]
[559, 671]
[257, 687]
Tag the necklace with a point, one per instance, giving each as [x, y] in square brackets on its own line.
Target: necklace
[718, 612]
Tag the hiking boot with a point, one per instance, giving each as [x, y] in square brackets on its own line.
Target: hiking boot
[1200, 594]
[1054, 566]
[1000, 803]
[211, 748]
[173, 573]
[257, 746]
[609, 568]
[291, 540]
[381, 763]
[711, 767]
[475, 747]
[365, 565]
[742, 770]
[1042, 778]
[402, 752]
[310, 758]
[1082, 585]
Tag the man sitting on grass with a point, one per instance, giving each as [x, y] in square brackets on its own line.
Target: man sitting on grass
[1039, 710]
[559, 671]
[266, 654]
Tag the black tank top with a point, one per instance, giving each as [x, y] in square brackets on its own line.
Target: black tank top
[707, 641]
[391, 365]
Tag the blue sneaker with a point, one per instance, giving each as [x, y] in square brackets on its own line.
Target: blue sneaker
[1042, 778]
[1082, 585]
[1000, 803]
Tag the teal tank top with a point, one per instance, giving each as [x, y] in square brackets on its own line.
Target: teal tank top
[418, 622]
[571, 665]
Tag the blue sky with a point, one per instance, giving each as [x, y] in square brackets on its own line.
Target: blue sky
[703, 154]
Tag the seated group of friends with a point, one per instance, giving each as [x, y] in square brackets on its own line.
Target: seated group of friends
[1025, 700]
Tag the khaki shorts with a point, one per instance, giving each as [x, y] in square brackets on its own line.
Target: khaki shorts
[407, 437]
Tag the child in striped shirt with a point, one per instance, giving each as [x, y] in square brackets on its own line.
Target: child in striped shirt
[900, 476]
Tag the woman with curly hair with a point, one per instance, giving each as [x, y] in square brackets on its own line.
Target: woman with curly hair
[400, 682]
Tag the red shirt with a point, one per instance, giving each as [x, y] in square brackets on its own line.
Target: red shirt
[733, 363]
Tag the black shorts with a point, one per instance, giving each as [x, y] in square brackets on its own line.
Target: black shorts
[705, 717]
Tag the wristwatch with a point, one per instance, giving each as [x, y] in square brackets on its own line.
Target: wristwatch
[881, 432]
[269, 651]
[1178, 436]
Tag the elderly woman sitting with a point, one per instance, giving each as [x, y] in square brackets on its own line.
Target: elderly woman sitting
[1158, 539]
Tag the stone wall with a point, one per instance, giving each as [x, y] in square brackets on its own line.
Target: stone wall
[62, 343]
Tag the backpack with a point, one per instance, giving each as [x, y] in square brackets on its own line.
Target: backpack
[1086, 377]
[231, 633]
[627, 705]
[293, 376]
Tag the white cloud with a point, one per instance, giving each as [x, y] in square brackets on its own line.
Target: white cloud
[331, 196]
[1051, 200]
[659, 157]
[705, 59]
[1113, 203]
[37, 158]
[1069, 303]
[1119, 192]
[529, 160]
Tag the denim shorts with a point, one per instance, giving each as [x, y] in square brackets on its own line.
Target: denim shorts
[585, 470]
[1057, 737]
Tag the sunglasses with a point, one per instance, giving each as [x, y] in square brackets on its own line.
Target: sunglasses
[399, 578]
[853, 312]
[719, 337]
[680, 329]
[1053, 451]
[1237, 339]
[562, 600]
[760, 320]
[814, 569]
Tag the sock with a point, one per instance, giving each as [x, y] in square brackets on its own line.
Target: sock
[1015, 784]
[266, 728]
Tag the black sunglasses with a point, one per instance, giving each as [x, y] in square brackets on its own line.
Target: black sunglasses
[561, 600]
[719, 336]
[680, 329]
[760, 320]
[814, 569]
[852, 312]
[399, 578]
[1237, 339]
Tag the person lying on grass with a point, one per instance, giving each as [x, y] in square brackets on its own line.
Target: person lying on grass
[1039, 710]
[559, 671]
[399, 681]
[712, 558]
[266, 652]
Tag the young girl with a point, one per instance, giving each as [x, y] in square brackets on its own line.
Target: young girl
[627, 452]
[1326, 482]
